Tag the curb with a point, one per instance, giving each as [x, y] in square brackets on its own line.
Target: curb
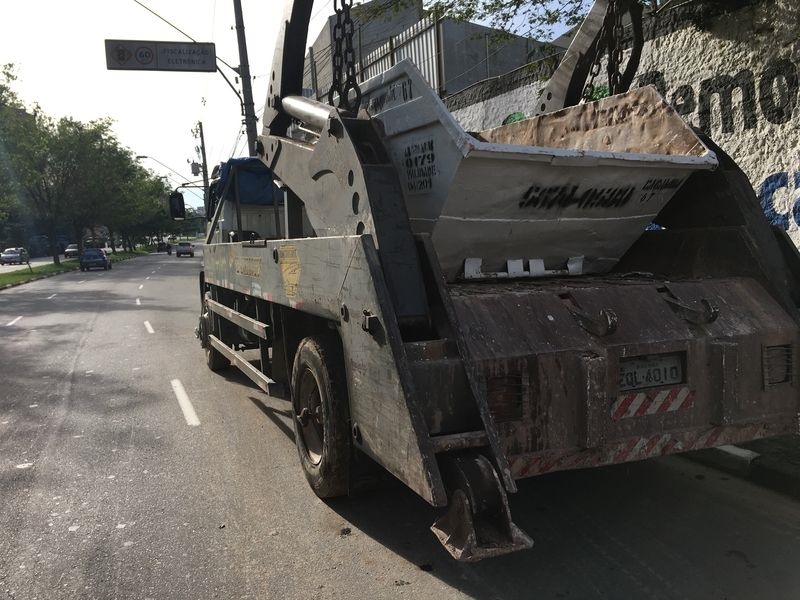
[19, 283]
[770, 471]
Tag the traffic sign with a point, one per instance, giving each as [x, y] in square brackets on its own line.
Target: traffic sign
[137, 55]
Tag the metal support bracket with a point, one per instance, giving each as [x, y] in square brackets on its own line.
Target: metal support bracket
[478, 523]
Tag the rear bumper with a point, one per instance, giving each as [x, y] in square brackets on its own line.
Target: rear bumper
[553, 382]
[643, 447]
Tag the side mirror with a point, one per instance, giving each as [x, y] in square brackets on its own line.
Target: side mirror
[177, 208]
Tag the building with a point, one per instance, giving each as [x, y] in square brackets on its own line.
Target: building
[451, 55]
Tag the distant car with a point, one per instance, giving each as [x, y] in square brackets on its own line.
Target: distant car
[71, 251]
[94, 258]
[14, 255]
[184, 248]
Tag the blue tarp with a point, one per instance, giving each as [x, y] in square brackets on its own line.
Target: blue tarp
[254, 180]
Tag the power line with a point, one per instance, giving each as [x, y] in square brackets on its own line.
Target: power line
[179, 30]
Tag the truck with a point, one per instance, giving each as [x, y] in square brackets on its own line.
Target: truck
[590, 286]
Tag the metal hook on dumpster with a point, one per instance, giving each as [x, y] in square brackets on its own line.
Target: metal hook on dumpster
[604, 324]
[698, 316]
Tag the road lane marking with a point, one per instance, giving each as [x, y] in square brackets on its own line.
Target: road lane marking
[148, 277]
[141, 286]
[185, 403]
[138, 302]
[50, 297]
[10, 323]
[82, 281]
[148, 327]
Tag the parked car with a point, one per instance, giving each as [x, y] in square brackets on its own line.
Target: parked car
[14, 255]
[94, 257]
[184, 248]
[71, 251]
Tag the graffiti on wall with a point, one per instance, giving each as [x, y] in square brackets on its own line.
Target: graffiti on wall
[771, 94]
[768, 192]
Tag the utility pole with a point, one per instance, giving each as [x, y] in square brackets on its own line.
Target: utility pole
[198, 132]
[244, 74]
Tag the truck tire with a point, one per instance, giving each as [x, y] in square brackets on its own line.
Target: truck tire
[321, 415]
[215, 360]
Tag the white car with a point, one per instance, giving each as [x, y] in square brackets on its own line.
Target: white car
[14, 255]
[184, 248]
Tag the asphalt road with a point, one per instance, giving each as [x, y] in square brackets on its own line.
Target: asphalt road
[110, 489]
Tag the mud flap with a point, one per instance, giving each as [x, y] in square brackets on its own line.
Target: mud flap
[478, 523]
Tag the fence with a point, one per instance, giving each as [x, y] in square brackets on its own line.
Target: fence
[420, 43]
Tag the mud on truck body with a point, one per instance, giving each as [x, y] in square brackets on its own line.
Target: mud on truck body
[594, 285]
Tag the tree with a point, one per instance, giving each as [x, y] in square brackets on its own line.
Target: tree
[530, 18]
[140, 209]
[13, 121]
[71, 173]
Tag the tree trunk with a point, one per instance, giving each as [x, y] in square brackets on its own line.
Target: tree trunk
[111, 240]
[76, 233]
[51, 238]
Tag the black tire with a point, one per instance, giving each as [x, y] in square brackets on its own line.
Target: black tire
[321, 415]
[109, 266]
[215, 360]
[105, 267]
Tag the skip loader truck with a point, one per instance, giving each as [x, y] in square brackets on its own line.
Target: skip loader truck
[594, 285]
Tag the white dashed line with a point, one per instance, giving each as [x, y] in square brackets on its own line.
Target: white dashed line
[10, 323]
[185, 403]
[50, 297]
[147, 277]
[148, 327]
[82, 281]
[141, 286]
[138, 302]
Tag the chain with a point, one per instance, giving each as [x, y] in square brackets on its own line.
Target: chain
[615, 54]
[337, 58]
[594, 71]
[611, 34]
[344, 59]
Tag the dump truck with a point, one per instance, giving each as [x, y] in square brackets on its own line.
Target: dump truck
[590, 286]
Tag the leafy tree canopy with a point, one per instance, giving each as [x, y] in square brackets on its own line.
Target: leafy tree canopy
[72, 176]
[531, 18]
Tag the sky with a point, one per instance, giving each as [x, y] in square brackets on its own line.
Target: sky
[58, 49]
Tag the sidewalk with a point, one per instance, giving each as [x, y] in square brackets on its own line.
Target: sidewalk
[771, 462]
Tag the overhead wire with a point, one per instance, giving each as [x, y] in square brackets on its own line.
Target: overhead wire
[179, 30]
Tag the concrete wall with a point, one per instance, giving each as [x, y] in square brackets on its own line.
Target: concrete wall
[473, 52]
[735, 75]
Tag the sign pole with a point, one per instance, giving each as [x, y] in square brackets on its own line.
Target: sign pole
[244, 73]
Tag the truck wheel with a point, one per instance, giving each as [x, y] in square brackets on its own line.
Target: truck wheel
[215, 360]
[321, 415]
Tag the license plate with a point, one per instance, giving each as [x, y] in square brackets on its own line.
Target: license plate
[650, 371]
